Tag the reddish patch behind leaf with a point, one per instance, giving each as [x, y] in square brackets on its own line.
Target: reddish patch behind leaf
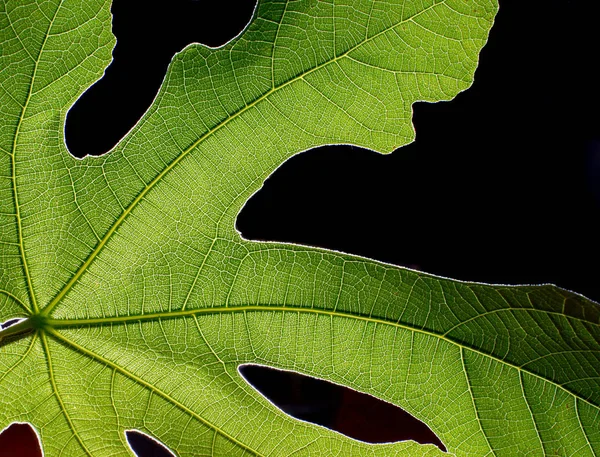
[19, 440]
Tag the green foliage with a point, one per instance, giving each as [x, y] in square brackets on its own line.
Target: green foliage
[141, 300]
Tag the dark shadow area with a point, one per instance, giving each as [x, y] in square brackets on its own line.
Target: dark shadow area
[593, 167]
[19, 440]
[354, 414]
[10, 322]
[144, 446]
[302, 397]
[149, 33]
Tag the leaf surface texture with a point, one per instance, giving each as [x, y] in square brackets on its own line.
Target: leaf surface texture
[142, 300]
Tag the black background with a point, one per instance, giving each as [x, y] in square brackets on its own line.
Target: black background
[502, 184]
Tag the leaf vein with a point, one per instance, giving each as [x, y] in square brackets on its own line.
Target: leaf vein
[59, 398]
[62, 323]
[153, 389]
[126, 211]
[468, 380]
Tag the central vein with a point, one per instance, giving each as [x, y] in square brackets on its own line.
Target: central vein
[48, 309]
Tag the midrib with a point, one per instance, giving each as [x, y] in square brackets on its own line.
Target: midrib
[14, 164]
[48, 309]
[57, 324]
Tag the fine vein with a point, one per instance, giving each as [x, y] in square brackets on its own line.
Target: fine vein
[54, 324]
[152, 388]
[185, 152]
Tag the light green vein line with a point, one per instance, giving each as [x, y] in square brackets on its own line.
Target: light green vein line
[552, 354]
[535, 425]
[16, 299]
[64, 323]
[152, 388]
[525, 310]
[6, 152]
[113, 404]
[16, 35]
[587, 439]
[274, 47]
[212, 446]
[58, 397]
[464, 366]
[23, 357]
[303, 447]
[200, 268]
[48, 309]
[14, 163]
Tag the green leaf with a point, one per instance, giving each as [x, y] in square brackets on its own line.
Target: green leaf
[140, 300]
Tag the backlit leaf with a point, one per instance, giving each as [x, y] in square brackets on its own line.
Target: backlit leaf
[141, 300]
